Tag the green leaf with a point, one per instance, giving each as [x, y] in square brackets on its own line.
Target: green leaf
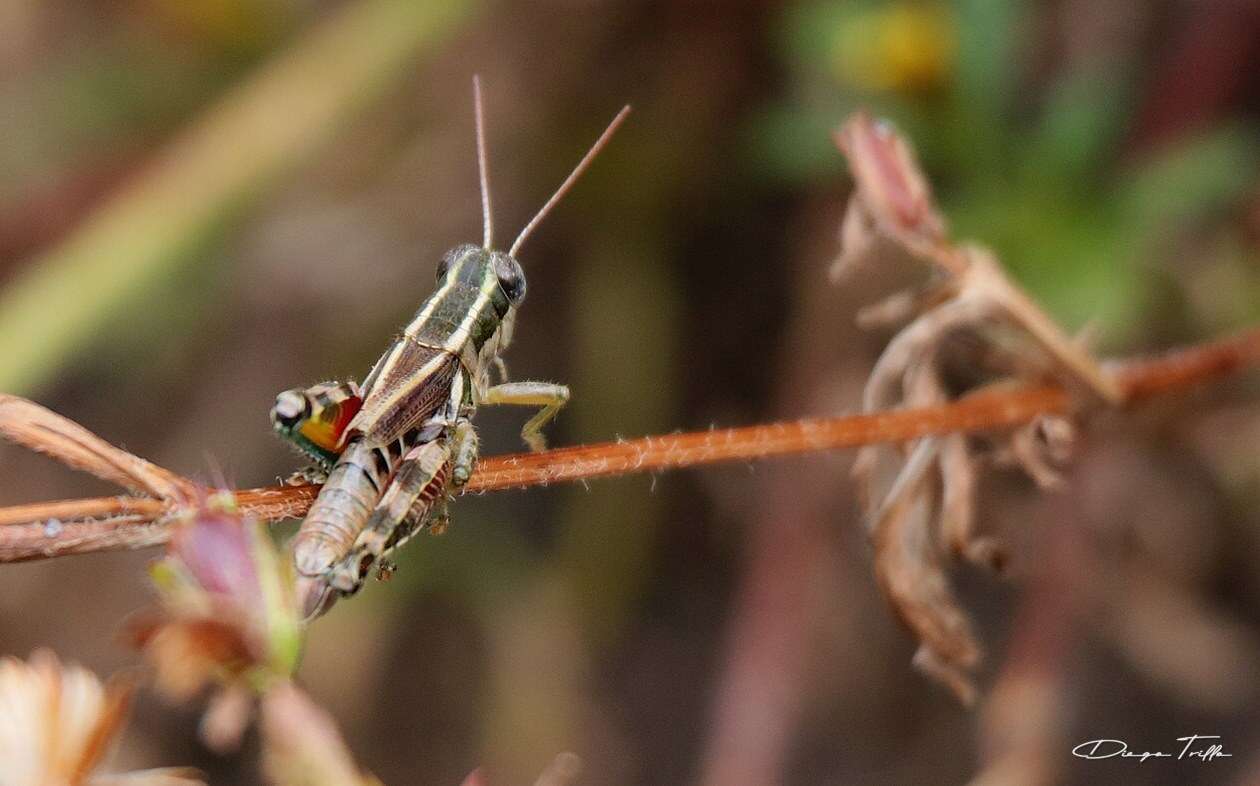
[1196, 177]
[1082, 117]
[988, 70]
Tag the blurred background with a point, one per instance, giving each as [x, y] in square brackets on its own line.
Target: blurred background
[202, 204]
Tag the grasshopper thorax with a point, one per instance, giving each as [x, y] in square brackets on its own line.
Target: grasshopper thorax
[473, 306]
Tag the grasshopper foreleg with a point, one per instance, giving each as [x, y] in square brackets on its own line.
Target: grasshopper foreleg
[548, 395]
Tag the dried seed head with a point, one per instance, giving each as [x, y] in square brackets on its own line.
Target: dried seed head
[58, 722]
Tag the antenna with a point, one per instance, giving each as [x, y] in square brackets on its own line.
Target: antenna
[568, 182]
[487, 223]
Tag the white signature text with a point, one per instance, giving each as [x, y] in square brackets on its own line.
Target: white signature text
[1196, 746]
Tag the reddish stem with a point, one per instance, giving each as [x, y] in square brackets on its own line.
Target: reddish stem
[36, 530]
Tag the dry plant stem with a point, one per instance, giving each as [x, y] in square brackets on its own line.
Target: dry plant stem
[986, 274]
[985, 410]
[48, 529]
[31, 426]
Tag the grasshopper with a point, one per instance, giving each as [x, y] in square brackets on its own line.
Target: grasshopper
[391, 447]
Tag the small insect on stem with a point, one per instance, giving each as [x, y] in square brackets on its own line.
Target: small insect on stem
[390, 448]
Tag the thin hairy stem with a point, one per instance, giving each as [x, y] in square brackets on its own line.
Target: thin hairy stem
[50, 529]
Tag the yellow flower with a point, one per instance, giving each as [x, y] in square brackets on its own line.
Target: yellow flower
[57, 723]
[906, 47]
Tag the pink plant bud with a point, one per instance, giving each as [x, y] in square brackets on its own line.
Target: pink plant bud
[218, 553]
[228, 615]
[890, 184]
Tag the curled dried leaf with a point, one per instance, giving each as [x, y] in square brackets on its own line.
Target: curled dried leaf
[1072, 363]
[1033, 451]
[909, 570]
[959, 476]
[921, 512]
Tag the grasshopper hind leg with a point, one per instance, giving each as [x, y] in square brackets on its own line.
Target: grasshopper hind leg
[403, 508]
[314, 420]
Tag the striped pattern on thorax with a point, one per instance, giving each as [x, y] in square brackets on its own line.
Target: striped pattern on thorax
[466, 309]
[413, 382]
[463, 315]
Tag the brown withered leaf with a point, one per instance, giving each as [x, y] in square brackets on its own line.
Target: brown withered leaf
[920, 499]
[909, 570]
[1073, 364]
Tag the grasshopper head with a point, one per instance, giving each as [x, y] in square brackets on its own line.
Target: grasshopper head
[474, 269]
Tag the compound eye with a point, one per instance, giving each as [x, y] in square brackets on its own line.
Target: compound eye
[290, 408]
[511, 279]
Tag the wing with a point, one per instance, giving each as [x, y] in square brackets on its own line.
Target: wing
[409, 384]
